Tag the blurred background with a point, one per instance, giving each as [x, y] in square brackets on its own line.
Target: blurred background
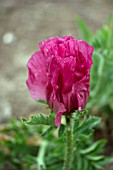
[24, 23]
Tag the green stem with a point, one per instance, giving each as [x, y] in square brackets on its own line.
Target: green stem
[69, 145]
[40, 157]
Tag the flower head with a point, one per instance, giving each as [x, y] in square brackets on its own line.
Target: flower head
[59, 73]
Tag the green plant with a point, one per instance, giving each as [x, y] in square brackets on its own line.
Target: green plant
[87, 154]
[19, 145]
[101, 96]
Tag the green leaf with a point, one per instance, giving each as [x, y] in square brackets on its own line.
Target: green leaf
[77, 114]
[76, 125]
[88, 124]
[61, 130]
[30, 158]
[84, 137]
[85, 164]
[41, 101]
[110, 35]
[106, 161]
[95, 157]
[40, 119]
[93, 147]
[97, 166]
[102, 72]
[23, 120]
[85, 31]
[47, 131]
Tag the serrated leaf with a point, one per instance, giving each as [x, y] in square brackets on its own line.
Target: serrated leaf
[84, 112]
[61, 130]
[77, 114]
[23, 120]
[40, 119]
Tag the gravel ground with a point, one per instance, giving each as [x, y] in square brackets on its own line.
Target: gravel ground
[24, 23]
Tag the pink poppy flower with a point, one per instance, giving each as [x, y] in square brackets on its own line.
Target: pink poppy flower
[59, 73]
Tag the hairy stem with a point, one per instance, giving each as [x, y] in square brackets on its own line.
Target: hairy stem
[69, 145]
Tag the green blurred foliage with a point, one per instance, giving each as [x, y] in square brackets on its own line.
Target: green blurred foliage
[34, 146]
[101, 95]
[17, 146]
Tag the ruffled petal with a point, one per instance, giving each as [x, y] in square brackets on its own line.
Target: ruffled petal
[59, 109]
[53, 96]
[37, 78]
[86, 51]
[82, 91]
